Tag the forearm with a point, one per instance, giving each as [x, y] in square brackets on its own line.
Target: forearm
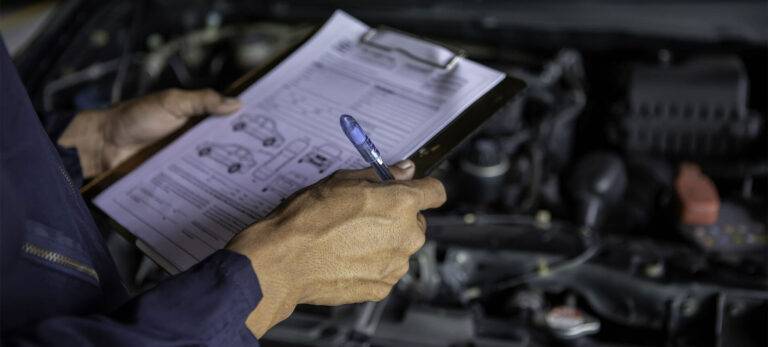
[86, 134]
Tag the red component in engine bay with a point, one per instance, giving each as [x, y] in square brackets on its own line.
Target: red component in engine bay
[699, 200]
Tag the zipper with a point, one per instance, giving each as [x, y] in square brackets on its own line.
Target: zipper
[67, 178]
[60, 259]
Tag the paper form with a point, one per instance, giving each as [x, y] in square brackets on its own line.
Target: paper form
[192, 197]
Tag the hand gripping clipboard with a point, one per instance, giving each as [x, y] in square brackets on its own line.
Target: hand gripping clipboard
[427, 157]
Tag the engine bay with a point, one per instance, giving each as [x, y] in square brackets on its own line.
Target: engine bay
[619, 200]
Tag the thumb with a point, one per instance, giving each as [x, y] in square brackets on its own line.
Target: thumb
[403, 170]
[190, 103]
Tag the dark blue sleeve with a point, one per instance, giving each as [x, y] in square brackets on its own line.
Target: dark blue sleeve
[71, 161]
[54, 124]
[205, 306]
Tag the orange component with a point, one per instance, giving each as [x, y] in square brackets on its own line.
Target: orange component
[699, 200]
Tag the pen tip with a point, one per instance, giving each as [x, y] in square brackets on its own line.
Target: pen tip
[346, 120]
[353, 131]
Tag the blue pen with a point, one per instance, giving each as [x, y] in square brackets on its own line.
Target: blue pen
[365, 146]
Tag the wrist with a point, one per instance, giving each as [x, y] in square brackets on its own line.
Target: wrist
[271, 261]
[276, 304]
[86, 134]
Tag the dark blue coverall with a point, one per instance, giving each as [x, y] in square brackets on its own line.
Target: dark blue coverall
[59, 285]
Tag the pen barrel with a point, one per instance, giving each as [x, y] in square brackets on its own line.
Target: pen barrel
[383, 172]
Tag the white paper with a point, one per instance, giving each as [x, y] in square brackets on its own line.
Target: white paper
[189, 199]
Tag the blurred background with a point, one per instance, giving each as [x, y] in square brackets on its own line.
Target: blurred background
[620, 200]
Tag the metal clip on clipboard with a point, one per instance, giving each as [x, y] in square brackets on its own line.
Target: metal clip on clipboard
[415, 48]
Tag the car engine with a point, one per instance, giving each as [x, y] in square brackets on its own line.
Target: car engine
[619, 200]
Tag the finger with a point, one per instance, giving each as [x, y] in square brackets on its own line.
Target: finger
[380, 291]
[415, 241]
[190, 103]
[429, 192]
[422, 222]
[397, 273]
[402, 170]
[363, 174]
[402, 270]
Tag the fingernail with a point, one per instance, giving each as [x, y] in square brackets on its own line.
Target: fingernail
[228, 105]
[404, 164]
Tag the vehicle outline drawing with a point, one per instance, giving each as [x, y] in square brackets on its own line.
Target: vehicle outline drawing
[259, 127]
[286, 184]
[287, 154]
[233, 156]
[323, 157]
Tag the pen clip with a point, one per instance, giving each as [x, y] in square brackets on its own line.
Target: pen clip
[377, 38]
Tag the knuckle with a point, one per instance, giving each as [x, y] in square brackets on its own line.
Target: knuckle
[381, 292]
[323, 191]
[402, 271]
[210, 96]
[367, 196]
[416, 242]
[361, 184]
[405, 194]
[421, 221]
[339, 174]
[172, 93]
[356, 187]
[173, 100]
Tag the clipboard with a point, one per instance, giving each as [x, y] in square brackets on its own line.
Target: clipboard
[426, 158]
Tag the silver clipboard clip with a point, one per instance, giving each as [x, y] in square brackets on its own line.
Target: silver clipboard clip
[380, 38]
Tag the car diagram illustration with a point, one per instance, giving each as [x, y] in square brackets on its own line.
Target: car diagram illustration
[285, 185]
[259, 127]
[322, 157]
[233, 156]
[290, 152]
